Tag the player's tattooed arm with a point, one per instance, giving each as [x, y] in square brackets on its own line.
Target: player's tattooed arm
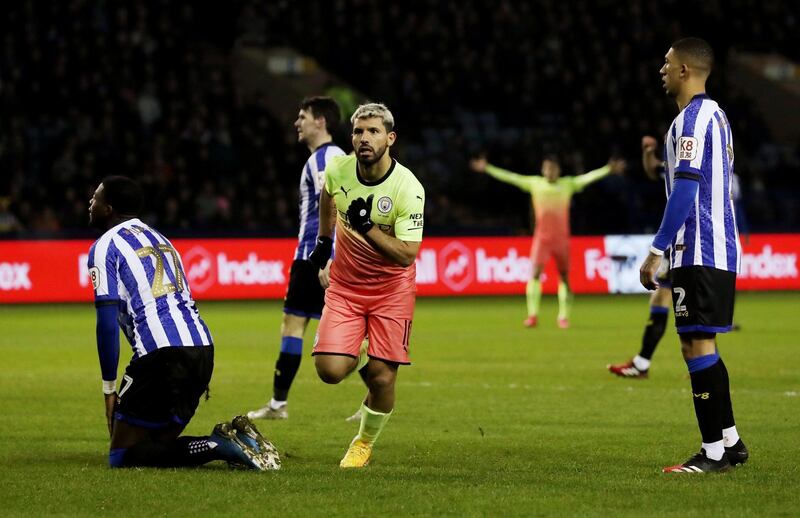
[327, 214]
[321, 254]
[396, 250]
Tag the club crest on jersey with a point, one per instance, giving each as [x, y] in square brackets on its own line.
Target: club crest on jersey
[384, 204]
[687, 148]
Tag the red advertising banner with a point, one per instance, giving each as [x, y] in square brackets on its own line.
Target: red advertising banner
[237, 268]
[217, 269]
[498, 265]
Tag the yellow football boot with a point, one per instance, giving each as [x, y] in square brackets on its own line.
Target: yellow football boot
[357, 455]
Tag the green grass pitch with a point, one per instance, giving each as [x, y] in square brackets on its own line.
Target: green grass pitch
[491, 420]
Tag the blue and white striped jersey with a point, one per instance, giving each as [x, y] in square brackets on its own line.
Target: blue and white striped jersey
[137, 268]
[699, 145]
[311, 181]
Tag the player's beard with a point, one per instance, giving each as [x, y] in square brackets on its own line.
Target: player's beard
[377, 154]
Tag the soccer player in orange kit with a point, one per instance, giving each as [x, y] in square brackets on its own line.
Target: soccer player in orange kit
[376, 205]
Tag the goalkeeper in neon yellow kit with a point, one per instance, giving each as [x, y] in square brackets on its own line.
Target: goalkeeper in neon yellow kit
[551, 194]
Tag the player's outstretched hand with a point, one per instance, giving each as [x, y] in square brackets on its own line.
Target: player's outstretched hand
[478, 164]
[617, 165]
[358, 214]
[322, 252]
[649, 143]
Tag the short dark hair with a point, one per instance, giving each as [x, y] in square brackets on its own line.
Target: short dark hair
[322, 106]
[123, 194]
[552, 156]
[696, 51]
[552, 150]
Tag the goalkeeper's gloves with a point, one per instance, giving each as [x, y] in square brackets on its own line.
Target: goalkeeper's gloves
[358, 214]
[322, 252]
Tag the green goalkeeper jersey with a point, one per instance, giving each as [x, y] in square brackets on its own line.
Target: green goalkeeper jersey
[551, 200]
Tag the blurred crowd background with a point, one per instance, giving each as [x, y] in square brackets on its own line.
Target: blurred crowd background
[145, 88]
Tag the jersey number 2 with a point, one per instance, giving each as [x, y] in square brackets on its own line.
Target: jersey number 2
[681, 293]
[159, 287]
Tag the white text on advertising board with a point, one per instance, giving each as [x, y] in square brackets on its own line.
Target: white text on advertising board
[251, 271]
[14, 276]
[769, 265]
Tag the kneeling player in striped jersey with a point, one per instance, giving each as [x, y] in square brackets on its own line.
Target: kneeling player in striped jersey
[139, 282]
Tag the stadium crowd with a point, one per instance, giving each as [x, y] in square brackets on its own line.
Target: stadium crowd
[145, 89]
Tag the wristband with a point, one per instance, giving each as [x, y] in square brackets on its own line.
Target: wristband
[322, 252]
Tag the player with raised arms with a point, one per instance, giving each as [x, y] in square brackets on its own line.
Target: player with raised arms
[551, 195]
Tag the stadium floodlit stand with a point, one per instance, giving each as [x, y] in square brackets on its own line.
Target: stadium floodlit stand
[145, 89]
